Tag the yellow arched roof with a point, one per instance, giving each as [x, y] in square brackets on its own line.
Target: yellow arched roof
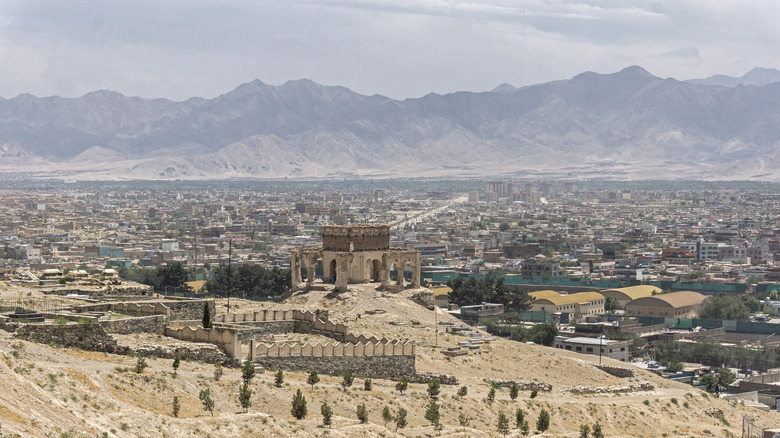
[632, 292]
[676, 300]
[437, 291]
[562, 300]
[543, 294]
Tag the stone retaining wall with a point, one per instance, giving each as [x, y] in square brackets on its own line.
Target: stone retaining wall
[175, 309]
[387, 348]
[616, 371]
[644, 386]
[187, 351]
[523, 386]
[91, 337]
[143, 324]
[375, 367]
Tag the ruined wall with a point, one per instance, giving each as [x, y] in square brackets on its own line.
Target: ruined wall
[375, 367]
[226, 339]
[286, 321]
[617, 371]
[187, 351]
[355, 237]
[91, 337]
[143, 324]
[177, 310]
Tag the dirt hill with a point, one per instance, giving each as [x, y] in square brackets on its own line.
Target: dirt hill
[65, 392]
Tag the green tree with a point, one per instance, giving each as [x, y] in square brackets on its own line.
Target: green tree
[584, 431]
[503, 423]
[245, 396]
[327, 414]
[367, 385]
[710, 382]
[543, 422]
[542, 334]
[434, 388]
[491, 395]
[176, 406]
[432, 412]
[299, 410]
[723, 307]
[362, 413]
[387, 416]
[462, 391]
[401, 385]
[279, 378]
[347, 379]
[519, 418]
[534, 393]
[206, 321]
[176, 363]
[463, 420]
[725, 377]
[208, 402]
[400, 419]
[525, 428]
[611, 304]
[248, 371]
[503, 226]
[140, 364]
[597, 432]
[313, 379]
[218, 371]
[513, 391]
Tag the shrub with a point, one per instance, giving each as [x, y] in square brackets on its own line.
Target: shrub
[462, 391]
[279, 378]
[401, 385]
[387, 416]
[362, 413]
[208, 402]
[245, 396]
[206, 321]
[534, 393]
[400, 419]
[434, 388]
[584, 431]
[463, 419]
[519, 418]
[597, 432]
[503, 423]
[347, 379]
[367, 385]
[432, 413]
[299, 410]
[543, 422]
[140, 364]
[176, 363]
[513, 391]
[491, 395]
[327, 414]
[313, 379]
[176, 406]
[218, 371]
[248, 371]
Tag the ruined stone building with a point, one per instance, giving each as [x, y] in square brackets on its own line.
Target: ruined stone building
[355, 254]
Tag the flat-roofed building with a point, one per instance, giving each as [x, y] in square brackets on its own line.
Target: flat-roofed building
[684, 304]
[611, 348]
[625, 295]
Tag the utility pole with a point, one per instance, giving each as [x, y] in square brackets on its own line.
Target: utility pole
[230, 273]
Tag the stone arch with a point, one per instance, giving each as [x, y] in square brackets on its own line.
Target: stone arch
[376, 270]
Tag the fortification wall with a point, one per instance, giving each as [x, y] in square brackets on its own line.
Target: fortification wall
[355, 237]
[142, 324]
[175, 309]
[226, 339]
[285, 321]
[91, 337]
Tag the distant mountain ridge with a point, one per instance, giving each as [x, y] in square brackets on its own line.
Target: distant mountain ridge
[757, 76]
[629, 125]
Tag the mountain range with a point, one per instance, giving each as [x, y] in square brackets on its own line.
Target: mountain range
[624, 125]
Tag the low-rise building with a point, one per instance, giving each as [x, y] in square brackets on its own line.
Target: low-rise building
[611, 348]
[683, 304]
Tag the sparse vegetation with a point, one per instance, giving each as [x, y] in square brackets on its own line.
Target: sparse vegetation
[218, 371]
[362, 413]
[401, 385]
[347, 379]
[140, 364]
[176, 407]
[327, 414]
[278, 378]
[543, 422]
[313, 379]
[299, 410]
[208, 403]
[503, 423]
[434, 388]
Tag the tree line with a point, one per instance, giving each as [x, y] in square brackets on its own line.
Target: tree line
[671, 353]
[488, 290]
[249, 281]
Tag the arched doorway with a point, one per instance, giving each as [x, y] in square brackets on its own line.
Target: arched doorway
[332, 272]
[376, 271]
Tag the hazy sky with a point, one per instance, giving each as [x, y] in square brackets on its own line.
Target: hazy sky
[398, 48]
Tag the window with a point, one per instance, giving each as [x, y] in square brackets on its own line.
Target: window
[589, 350]
[578, 349]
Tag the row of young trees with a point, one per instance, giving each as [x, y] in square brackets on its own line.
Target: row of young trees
[489, 290]
[173, 275]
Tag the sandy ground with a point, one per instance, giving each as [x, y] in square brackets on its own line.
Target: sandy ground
[52, 391]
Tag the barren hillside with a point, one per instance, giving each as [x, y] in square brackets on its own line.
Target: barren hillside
[53, 391]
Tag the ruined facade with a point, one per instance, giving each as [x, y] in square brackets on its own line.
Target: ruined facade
[355, 254]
